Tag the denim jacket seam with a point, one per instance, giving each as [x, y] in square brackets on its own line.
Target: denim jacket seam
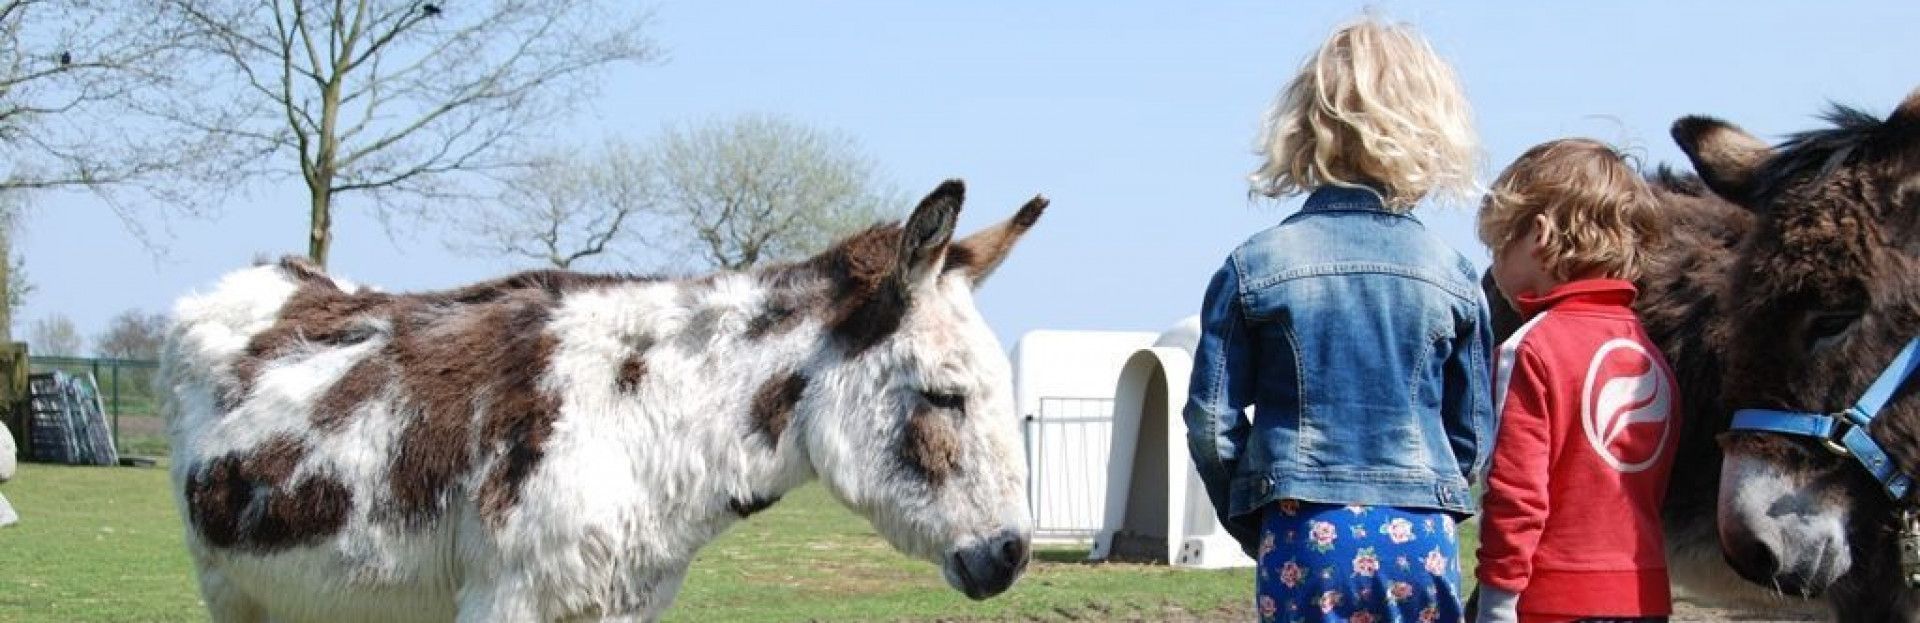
[1413, 388]
[1465, 341]
[1238, 262]
[1482, 405]
[1300, 401]
[1217, 400]
[1410, 477]
[1216, 394]
[1335, 269]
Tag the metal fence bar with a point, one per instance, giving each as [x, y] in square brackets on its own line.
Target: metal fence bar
[1036, 468]
[55, 360]
[116, 405]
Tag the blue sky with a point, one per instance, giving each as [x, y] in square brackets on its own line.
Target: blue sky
[1137, 119]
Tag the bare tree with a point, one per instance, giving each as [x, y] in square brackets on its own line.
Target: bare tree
[756, 188]
[567, 207]
[75, 83]
[13, 274]
[55, 335]
[132, 335]
[73, 76]
[395, 98]
[17, 285]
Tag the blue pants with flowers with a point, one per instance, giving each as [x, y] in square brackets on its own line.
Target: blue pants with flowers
[1357, 564]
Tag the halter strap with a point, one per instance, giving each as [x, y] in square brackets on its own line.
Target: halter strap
[1882, 389]
[1846, 432]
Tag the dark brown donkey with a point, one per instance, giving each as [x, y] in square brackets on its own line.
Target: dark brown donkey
[1792, 278]
[1822, 293]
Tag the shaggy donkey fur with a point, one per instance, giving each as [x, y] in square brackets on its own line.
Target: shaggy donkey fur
[556, 445]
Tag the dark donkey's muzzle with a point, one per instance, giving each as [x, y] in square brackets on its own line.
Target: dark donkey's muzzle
[989, 566]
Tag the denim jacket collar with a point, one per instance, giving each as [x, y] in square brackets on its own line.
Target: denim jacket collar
[1348, 199]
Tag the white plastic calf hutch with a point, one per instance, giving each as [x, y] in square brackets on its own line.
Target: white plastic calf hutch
[1157, 510]
[1107, 446]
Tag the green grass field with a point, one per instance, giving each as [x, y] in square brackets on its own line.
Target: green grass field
[94, 544]
[103, 544]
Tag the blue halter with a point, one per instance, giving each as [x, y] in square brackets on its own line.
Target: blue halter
[1845, 433]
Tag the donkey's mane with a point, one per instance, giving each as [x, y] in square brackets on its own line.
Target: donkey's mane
[551, 282]
[1665, 177]
[1817, 153]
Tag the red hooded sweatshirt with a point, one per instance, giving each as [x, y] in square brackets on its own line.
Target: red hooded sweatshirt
[1589, 419]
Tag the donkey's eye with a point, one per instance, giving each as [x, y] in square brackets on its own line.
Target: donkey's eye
[1824, 326]
[946, 400]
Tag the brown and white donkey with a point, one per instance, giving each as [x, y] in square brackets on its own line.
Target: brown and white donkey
[557, 446]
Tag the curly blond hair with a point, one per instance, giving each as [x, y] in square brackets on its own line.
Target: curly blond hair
[1601, 216]
[1374, 107]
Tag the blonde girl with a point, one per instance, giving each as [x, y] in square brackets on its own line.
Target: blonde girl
[1360, 340]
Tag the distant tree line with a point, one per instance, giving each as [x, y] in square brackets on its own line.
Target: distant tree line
[723, 194]
[133, 334]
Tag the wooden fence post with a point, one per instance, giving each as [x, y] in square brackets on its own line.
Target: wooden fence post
[14, 393]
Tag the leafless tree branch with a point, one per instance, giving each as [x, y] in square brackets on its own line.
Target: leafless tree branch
[754, 189]
[73, 74]
[565, 208]
[388, 99]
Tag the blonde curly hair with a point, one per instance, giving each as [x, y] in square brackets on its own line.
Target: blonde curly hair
[1601, 216]
[1375, 107]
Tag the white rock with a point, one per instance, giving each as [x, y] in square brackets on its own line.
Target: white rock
[7, 451]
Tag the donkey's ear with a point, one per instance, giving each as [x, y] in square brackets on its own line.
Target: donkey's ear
[983, 251]
[1905, 123]
[1726, 157]
[1908, 114]
[923, 242]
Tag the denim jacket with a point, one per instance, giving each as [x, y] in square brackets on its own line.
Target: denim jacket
[1362, 342]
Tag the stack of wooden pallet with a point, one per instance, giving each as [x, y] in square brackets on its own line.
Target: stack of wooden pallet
[66, 422]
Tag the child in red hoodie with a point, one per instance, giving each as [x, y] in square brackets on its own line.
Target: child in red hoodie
[1589, 414]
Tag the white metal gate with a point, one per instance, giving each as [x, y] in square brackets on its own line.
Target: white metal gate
[1068, 443]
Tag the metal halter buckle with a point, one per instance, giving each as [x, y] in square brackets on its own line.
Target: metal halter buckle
[1841, 426]
[1910, 547]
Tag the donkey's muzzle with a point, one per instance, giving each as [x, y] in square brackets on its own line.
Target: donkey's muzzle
[1756, 561]
[989, 566]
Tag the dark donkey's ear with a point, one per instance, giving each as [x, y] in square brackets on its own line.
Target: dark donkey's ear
[1904, 125]
[1907, 116]
[980, 253]
[923, 241]
[1726, 157]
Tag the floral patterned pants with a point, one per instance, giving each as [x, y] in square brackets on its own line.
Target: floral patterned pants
[1357, 564]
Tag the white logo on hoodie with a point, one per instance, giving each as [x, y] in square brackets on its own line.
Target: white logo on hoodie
[1626, 387]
